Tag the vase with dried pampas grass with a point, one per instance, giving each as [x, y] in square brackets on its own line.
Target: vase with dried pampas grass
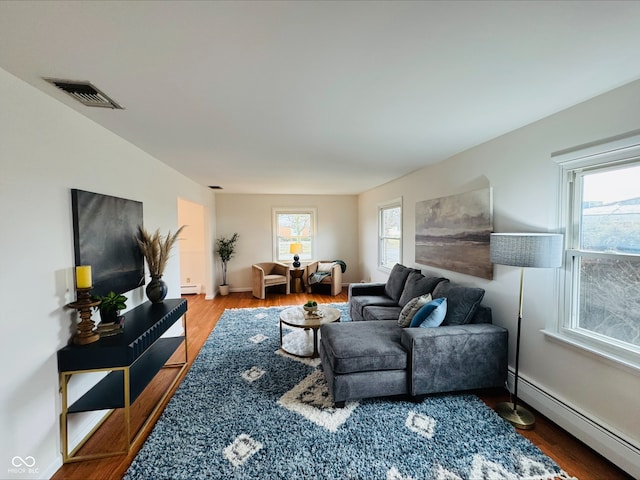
[156, 250]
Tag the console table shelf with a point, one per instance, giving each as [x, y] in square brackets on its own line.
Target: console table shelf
[133, 359]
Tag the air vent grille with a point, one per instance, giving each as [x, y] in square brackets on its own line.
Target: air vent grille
[85, 93]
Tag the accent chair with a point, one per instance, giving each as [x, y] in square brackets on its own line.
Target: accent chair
[326, 273]
[269, 274]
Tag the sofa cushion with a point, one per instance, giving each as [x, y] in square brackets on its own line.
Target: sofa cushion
[462, 302]
[482, 315]
[360, 302]
[378, 312]
[411, 308]
[397, 278]
[430, 315]
[416, 285]
[363, 346]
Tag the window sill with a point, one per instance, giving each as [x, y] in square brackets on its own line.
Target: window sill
[614, 359]
[382, 268]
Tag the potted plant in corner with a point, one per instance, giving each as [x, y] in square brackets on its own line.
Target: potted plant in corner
[225, 248]
[110, 306]
[156, 250]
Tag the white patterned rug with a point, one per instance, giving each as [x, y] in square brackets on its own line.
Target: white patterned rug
[246, 410]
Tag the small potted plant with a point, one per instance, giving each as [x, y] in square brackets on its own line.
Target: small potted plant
[225, 248]
[110, 306]
[310, 307]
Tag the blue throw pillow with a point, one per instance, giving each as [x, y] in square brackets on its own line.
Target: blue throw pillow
[430, 315]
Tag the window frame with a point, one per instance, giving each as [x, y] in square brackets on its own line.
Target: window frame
[288, 257]
[574, 164]
[382, 207]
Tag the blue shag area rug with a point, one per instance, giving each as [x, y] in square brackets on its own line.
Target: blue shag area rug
[247, 410]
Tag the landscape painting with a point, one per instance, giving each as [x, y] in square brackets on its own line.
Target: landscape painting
[453, 233]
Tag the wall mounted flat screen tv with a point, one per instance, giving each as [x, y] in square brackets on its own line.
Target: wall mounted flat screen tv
[105, 229]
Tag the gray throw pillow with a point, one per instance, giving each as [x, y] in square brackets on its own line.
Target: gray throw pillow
[416, 285]
[462, 302]
[411, 308]
[395, 283]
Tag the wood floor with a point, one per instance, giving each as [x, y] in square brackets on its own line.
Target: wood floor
[573, 456]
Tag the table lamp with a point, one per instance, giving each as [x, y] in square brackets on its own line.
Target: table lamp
[295, 248]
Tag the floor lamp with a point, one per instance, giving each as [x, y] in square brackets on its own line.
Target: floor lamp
[538, 250]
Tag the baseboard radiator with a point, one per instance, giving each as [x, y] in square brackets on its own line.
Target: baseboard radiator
[190, 289]
[602, 438]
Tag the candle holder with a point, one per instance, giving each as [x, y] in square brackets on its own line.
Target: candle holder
[85, 333]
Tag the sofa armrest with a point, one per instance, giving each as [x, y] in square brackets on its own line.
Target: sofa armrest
[356, 289]
[456, 357]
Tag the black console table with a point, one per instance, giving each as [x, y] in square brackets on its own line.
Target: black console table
[133, 359]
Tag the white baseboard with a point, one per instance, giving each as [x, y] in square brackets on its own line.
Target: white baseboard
[190, 289]
[604, 439]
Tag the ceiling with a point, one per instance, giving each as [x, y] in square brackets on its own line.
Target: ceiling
[320, 97]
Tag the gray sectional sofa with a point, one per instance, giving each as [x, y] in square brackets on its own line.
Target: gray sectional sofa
[373, 356]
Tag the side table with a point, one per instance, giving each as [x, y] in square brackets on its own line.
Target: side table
[297, 282]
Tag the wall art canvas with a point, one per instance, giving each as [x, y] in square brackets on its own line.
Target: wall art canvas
[105, 229]
[453, 233]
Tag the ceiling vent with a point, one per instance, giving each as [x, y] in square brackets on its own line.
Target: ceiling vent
[85, 93]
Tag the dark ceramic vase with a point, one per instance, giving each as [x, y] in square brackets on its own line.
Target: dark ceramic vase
[156, 290]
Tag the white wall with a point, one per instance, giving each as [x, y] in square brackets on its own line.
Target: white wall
[45, 150]
[250, 216]
[525, 183]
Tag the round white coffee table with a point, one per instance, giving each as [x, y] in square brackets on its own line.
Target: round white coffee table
[296, 317]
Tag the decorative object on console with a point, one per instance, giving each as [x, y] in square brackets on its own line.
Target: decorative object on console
[156, 289]
[156, 250]
[110, 306]
[538, 250]
[84, 303]
[295, 248]
[83, 276]
[110, 329]
[225, 248]
[453, 232]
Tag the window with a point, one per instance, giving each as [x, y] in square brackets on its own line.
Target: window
[601, 217]
[290, 226]
[390, 234]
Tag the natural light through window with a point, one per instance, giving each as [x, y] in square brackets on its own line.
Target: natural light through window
[390, 234]
[293, 226]
[600, 303]
[610, 225]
